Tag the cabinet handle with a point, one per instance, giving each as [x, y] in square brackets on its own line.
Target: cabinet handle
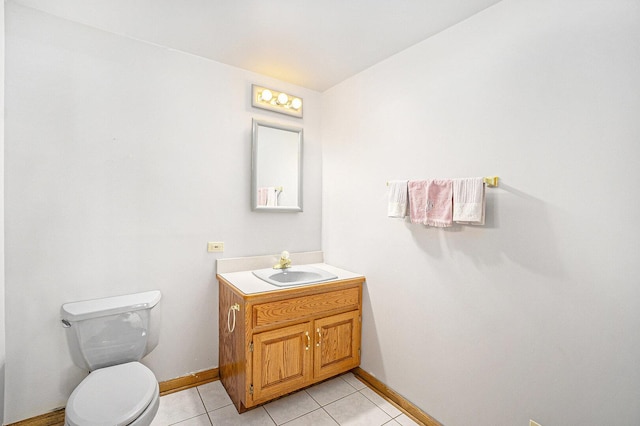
[319, 336]
[306, 333]
[235, 307]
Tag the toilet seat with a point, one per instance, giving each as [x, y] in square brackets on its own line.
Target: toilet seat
[114, 396]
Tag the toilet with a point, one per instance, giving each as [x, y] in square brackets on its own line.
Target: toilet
[108, 337]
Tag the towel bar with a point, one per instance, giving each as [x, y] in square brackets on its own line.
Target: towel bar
[491, 181]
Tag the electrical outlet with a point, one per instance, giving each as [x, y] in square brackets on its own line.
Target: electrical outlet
[532, 423]
[215, 247]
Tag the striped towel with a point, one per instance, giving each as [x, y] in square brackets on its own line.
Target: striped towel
[469, 201]
[397, 198]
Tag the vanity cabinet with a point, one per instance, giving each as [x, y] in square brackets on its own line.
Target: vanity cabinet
[277, 342]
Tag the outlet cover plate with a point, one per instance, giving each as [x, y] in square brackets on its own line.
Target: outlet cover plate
[213, 247]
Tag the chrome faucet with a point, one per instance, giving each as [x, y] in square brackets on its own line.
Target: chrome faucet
[284, 262]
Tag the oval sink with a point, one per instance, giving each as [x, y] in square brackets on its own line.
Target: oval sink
[295, 275]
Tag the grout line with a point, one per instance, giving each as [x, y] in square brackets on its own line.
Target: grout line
[380, 406]
[268, 414]
[204, 405]
[335, 400]
[332, 418]
[184, 420]
[315, 400]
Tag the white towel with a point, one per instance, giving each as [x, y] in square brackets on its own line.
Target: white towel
[272, 197]
[469, 201]
[397, 198]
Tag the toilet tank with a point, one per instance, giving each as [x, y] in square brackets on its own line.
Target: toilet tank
[112, 330]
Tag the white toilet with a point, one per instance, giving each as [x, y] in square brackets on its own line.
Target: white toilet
[109, 337]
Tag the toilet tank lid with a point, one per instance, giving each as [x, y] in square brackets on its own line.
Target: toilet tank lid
[78, 311]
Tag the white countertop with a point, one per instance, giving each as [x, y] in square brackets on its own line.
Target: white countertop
[248, 283]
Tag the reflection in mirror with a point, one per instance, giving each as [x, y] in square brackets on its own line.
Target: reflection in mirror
[276, 167]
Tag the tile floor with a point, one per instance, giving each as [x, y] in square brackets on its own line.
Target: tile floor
[343, 400]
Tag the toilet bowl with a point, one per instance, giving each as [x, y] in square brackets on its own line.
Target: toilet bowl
[126, 394]
[108, 337]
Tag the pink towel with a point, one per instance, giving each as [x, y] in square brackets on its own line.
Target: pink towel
[439, 203]
[263, 194]
[417, 200]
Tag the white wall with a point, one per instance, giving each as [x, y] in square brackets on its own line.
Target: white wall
[122, 160]
[2, 320]
[535, 315]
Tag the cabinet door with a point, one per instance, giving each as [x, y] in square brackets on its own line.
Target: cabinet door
[282, 361]
[337, 344]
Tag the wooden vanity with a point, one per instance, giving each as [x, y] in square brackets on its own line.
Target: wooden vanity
[280, 340]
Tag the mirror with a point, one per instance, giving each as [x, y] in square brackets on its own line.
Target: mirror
[276, 167]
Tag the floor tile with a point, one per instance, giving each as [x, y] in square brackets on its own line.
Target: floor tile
[178, 406]
[228, 416]
[318, 417]
[201, 420]
[290, 407]
[343, 401]
[353, 381]
[385, 405]
[405, 420]
[214, 395]
[331, 390]
[357, 410]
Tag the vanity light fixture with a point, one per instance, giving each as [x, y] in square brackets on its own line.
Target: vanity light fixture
[277, 101]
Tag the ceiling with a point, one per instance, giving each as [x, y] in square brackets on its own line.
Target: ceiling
[314, 44]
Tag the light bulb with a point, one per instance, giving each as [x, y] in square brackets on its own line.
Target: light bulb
[266, 95]
[296, 103]
[283, 99]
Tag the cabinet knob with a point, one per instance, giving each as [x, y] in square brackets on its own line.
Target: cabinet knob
[306, 333]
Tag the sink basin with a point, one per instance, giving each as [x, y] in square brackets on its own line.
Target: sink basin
[295, 275]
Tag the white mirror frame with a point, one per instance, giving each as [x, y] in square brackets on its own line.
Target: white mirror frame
[260, 159]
